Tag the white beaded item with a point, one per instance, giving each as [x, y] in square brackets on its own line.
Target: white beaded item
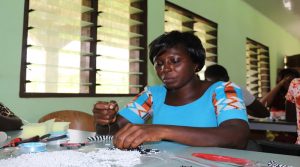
[70, 158]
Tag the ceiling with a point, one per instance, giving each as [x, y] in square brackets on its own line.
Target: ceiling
[275, 10]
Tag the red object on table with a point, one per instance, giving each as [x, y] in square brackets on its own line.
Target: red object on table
[224, 159]
[13, 142]
[16, 141]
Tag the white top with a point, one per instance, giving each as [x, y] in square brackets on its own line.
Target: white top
[248, 97]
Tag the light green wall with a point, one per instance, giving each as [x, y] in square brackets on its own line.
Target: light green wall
[236, 21]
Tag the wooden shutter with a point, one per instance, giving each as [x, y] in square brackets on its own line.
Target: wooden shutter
[56, 46]
[84, 48]
[258, 68]
[119, 44]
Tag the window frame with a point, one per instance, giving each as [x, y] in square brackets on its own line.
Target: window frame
[93, 44]
[260, 79]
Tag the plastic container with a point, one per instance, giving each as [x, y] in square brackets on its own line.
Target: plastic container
[33, 147]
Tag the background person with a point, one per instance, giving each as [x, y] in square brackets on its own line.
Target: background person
[293, 103]
[184, 109]
[275, 99]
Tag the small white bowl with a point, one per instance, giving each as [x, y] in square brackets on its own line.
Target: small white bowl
[33, 147]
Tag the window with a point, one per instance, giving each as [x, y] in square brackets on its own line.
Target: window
[83, 48]
[177, 18]
[257, 63]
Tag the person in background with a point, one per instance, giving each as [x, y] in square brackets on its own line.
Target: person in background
[183, 109]
[255, 108]
[8, 120]
[292, 104]
[275, 99]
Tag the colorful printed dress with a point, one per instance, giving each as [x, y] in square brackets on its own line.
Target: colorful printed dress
[293, 96]
[222, 101]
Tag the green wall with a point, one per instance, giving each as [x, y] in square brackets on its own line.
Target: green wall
[236, 21]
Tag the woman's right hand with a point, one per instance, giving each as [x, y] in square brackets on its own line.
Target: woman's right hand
[105, 112]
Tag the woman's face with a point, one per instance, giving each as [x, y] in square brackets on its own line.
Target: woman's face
[175, 68]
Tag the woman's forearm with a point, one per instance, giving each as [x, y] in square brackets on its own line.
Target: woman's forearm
[268, 99]
[232, 134]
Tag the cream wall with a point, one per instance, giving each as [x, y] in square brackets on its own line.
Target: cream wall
[236, 21]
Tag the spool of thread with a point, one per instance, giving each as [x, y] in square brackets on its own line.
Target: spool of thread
[32, 147]
[3, 137]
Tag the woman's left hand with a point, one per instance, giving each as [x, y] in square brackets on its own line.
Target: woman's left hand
[131, 136]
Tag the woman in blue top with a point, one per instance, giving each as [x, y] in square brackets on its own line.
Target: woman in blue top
[184, 109]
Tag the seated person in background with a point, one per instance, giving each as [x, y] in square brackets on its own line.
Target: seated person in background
[293, 103]
[184, 109]
[8, 120]
[217, 72]
[275, 99]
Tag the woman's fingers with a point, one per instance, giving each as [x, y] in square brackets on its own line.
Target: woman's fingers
[135, 139]
[125, 136]
[105, 112]
[131, 136]
[102, 121]
[100, 105]
[113, 105]
[118, 137]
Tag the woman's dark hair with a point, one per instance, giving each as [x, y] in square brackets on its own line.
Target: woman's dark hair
[187, 40]
[218, 72]
[287, 72]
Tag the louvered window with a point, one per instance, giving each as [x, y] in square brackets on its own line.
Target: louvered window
[83, 48]
[258, 68]
[177, 18]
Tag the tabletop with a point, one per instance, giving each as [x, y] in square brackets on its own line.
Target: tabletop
[170, 153]
[273, 125]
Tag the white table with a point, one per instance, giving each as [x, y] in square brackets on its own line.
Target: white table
[170, 153]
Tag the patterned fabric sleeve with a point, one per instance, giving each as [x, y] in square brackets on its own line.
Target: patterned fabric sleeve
[228, 103]
[139, 109]
[290, 94]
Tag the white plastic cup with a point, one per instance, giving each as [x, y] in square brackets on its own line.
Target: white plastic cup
[3, 137]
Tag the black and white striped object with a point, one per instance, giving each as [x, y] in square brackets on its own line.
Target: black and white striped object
[149, 151]
[275, 164]
[100, 138]
[140, 149]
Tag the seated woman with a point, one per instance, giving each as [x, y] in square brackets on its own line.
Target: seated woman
[275, 99]
[184, 109]
[8, 120]
[293, 103]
